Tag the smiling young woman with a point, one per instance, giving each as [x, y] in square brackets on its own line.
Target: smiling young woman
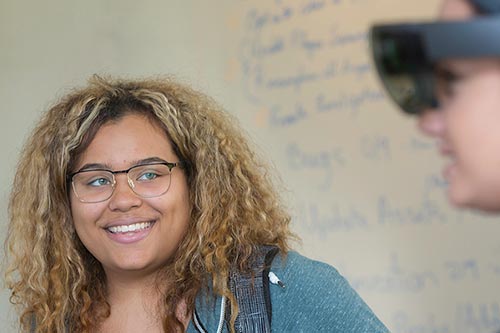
[128, 233]
[138, 206]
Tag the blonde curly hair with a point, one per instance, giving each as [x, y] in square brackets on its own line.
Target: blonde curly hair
[56, 283]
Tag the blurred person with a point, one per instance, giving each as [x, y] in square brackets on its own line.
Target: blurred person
[447, 73]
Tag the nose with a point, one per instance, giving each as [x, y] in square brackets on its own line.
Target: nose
[123, 197]
[431, 122]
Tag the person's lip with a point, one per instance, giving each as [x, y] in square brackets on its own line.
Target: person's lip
[128, 221]
[126, 231]
[449, 170]
[451, 166]
[445, 149]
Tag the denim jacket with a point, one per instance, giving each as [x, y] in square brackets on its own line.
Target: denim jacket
[315, 298]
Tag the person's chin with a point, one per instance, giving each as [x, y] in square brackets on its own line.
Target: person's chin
[465, 199]
[459, 195]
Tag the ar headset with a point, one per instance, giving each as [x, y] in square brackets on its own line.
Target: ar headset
[405, 55]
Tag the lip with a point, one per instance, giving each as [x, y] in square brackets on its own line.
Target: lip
[450, 168]
[127, 220]
[445, 149]
[131, 236]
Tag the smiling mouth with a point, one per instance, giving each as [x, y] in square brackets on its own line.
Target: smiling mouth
[136, 227]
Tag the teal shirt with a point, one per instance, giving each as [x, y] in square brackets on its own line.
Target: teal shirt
[316, 298]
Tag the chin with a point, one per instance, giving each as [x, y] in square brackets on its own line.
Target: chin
[493, 209]
[489, 205]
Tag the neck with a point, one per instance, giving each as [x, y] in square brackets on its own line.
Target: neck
[135, 304]
[125, 288]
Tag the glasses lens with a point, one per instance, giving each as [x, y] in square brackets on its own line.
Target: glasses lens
[400, 61]
[150, 180]
[93, 185]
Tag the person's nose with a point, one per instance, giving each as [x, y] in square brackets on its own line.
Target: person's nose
[123, 197]
[431, 122]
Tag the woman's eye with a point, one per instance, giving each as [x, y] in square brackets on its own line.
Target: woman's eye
[447, 83]
[99, 182]
[148, 176]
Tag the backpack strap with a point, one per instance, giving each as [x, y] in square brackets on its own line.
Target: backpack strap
[251, 291]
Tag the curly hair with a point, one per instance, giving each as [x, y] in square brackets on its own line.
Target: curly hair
[57, 284]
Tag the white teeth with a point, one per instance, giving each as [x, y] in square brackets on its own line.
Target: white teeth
[130, 227]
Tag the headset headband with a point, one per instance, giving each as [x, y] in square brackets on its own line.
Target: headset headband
[487, 7]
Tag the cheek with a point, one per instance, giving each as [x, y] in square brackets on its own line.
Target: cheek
[176, 210]
[84, 216]
[474, 133]
[177, 201]
[175, 216]
[473, 118]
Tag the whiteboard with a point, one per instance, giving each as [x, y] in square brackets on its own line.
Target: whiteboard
[364, 188]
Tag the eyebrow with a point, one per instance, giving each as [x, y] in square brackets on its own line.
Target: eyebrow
[98, 166]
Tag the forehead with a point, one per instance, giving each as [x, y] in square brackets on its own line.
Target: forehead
[130, 138]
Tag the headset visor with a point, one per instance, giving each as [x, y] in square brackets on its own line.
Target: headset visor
[405, 55]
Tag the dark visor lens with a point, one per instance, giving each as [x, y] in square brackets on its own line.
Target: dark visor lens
[400, 62]
[405, 55]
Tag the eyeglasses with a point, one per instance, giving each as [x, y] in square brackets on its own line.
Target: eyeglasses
[146, 180]
[406, 55]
